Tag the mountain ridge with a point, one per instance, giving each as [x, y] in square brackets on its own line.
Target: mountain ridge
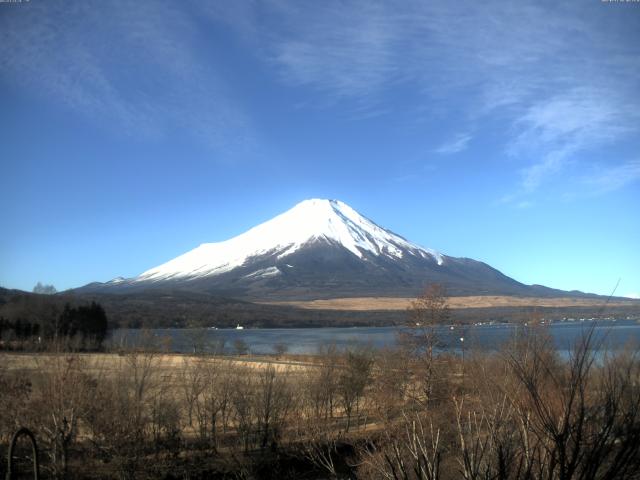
[321, 249]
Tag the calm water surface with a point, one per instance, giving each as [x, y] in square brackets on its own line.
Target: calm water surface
[613, 334]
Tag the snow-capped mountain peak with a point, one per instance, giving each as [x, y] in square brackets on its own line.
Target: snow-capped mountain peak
[317, 249]
[314, 220]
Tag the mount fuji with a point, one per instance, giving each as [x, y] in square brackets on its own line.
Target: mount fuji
[319, 249]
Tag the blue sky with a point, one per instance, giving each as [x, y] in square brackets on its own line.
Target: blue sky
[508, 132]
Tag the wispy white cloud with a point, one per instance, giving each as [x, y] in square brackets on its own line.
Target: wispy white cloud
[608, 178]
[458, 144]
[554, 129]
[358, 49]
[130, 67]
[345, 49]
[409, 177]
[562, 81]
[572, 117]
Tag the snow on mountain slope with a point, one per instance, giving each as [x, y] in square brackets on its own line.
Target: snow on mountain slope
[309, 221]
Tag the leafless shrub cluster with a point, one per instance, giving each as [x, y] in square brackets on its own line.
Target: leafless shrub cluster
[523, 413]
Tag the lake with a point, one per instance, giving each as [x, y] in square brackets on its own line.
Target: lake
[613, 334]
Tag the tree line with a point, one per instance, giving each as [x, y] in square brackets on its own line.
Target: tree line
[27, 323]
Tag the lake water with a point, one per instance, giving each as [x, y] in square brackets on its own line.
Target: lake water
[612, 334]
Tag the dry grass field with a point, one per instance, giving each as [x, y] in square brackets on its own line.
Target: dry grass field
[169, 364]
[352, 414]
[390, 303]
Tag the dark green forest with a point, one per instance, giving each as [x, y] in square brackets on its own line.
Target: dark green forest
[32, 320]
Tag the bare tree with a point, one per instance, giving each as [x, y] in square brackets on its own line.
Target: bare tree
[582, 421]
[320, 386]
[65, 392]
[192, 383]
[426, 313]
[412, 452]
[212, 405]
[240, 346]
[318, 442]
[242, 404]
[353, 378]
[429, 310]
[196, 340]
[280, 349]
[164, 422]
[217, 345]
[122, 412]
[488, 445]
[273, 399]
[546, 419]
[113, 435]
[390, 383]
[15, 396]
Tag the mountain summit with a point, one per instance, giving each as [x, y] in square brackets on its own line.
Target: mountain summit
[320, 249]
[312, 221]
